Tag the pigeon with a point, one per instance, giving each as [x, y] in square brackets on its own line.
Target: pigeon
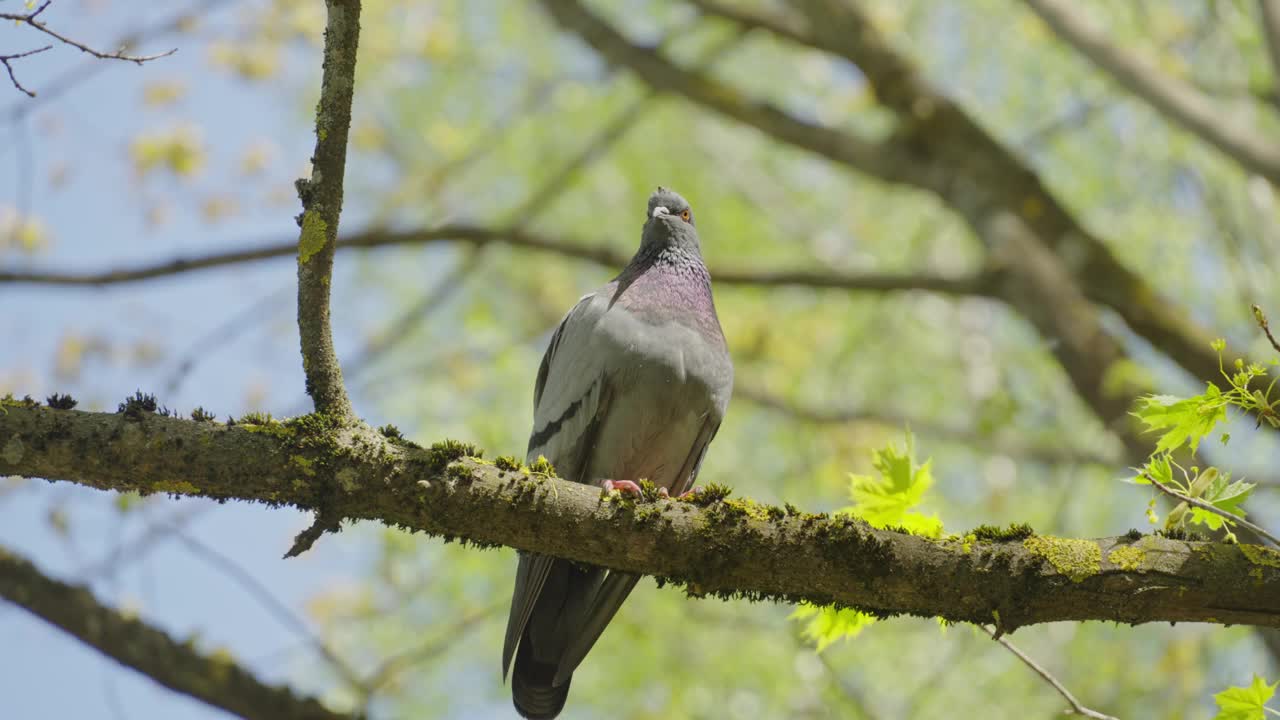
[632, 387]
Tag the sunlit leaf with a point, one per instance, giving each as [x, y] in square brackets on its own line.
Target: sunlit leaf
[1245, 703]
[1183, 420]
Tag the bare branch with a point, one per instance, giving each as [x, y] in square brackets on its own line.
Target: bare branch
[281, 612]
[321, 197]
[1181, 102]
[1076, 707]
[83, 72]
[1051, 453]
[664, 76]
[393, 665]
[760, 552]
[4, 59]
[213, 679]
[608, 135]
[30, 19]
[983, 284]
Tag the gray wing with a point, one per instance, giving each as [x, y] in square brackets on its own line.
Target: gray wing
[570, 401]
[614, 587]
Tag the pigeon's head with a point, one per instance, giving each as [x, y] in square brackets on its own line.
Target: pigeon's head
[669, 222]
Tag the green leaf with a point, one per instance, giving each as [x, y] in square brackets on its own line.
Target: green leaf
[1183, 420]
[1158, 468]
[1244, 703]
[890, 499]
[827, 625]
[1224, 495]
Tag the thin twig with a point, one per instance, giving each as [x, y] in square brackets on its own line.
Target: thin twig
[14, 78]
[401, 329]
[396, 664]
[1076, 707]
[851, 693]
[222, 334]
[30, 19]
[82, 72]
[283, 613]
[1194, 502]
[1266, 327]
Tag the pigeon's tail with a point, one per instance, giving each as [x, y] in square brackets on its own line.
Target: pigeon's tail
[532, 691]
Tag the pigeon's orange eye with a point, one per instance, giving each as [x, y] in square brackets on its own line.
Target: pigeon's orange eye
[684, 215]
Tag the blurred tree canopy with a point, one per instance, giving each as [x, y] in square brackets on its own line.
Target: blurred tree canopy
[994, 224]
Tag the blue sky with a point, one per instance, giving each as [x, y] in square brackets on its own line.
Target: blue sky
[96, 216]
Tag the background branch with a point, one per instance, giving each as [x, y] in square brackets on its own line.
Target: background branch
[1179, 101]
[211, 678]
[982, 284]
[1053, 452]
[1270, 11]
[1076, 707]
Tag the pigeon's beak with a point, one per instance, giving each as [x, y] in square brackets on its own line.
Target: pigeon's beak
[660, 210]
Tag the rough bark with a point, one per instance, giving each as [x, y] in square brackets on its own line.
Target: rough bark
[723, 547]
[321, 207]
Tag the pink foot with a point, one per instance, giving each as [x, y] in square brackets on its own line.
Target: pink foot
[622, 486]
[689, 493]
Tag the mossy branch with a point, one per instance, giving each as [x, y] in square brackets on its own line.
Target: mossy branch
[321, 197]
[213, 678]
[716, 546]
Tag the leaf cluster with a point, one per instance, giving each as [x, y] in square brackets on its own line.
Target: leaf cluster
[1185, 422]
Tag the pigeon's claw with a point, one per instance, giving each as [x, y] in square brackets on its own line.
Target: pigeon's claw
[689, 493]
[663, 494]
[622, 486]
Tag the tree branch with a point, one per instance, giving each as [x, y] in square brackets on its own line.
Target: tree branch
[4, 60]
[213, 679]
[68, 79]
[1181, 102]
[664, 76]
[1049, 453]
[982, 284]
[321, 207]
[30, 19]
[723, 547]
[1076, 707]
[1270, 11]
